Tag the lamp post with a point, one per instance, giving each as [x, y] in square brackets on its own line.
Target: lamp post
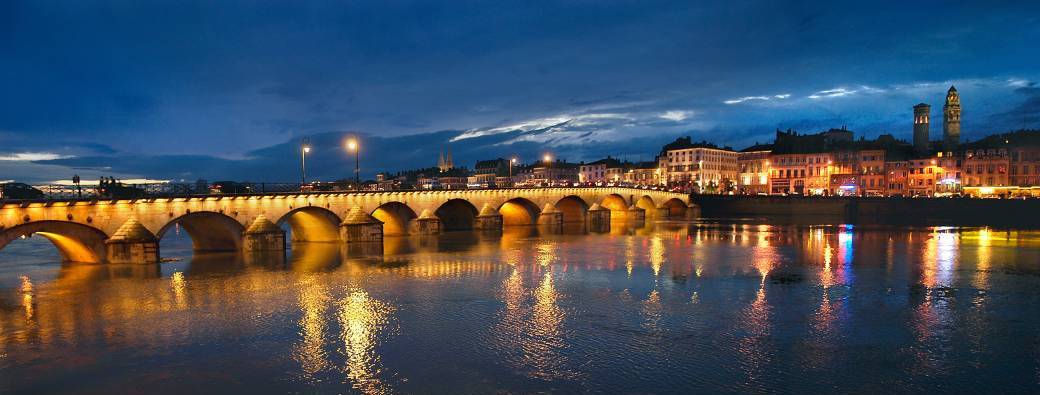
[548, 169]
[511, 162]
[352, 145]
[304, 149]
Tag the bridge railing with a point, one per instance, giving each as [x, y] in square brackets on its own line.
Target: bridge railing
[117, 190]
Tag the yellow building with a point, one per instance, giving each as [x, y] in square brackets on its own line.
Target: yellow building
[753, 163]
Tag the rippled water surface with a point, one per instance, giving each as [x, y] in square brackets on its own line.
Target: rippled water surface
[670, 308]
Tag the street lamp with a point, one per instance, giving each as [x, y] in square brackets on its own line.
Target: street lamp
[548, 169]
[304, 149]
[352, 145]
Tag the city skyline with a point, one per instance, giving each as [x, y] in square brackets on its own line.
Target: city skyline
[145, 107]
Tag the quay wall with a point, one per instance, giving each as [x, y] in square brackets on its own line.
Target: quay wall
[875, 210]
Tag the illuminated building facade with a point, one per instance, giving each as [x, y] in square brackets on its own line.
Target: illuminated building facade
[702, 167]
[646, 173]
[754, 165]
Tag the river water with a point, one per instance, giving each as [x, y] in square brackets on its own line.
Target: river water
[673, 307]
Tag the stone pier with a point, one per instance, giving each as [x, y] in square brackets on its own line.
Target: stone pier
[489, 219]
[599, 218]
[635, 214]
[551, 219]
[262, 235]
[426, 224]
[132, 243]
[359, 227]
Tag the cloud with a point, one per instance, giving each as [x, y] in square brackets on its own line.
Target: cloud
[676, 115]
[31, 156]
[836, 92]
[1026, 114]
[871, 89]
[744, 99]
[1019, 83]
[781, 96]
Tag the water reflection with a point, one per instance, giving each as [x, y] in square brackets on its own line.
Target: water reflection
[714, 307]
[364, 322]
[310, 351]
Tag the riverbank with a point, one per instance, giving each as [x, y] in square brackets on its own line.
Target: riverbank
[877, 210]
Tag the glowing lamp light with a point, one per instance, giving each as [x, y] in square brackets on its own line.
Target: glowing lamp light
[306, 149]
[547, 158]
[352, 145]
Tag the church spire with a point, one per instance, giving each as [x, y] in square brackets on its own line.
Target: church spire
[952, 120]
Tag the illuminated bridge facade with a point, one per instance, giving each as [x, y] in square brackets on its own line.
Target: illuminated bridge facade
[128, 231]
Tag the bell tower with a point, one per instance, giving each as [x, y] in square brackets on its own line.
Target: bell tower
[952, 120]
[921, 122]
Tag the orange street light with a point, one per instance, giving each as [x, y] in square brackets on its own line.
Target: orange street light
[352, 145]
[305, 147]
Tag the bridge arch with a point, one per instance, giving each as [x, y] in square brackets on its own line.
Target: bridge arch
[312, 223]
[614, 202]
[209, 231]
[396, 217]
[646, 203]
[519, 211]
[676, 207]
[456, 214]
[574, 208]
[76, 242]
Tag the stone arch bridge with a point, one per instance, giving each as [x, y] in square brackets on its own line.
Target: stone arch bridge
[128, 231]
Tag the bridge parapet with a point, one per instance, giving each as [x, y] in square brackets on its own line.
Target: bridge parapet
[219, 222]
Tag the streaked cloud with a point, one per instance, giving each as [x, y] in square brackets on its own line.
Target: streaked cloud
[547, 123]
[781, 96]
[836, 92]
[31, 156]
[744, 99]
[676, 115]
[1019, 82]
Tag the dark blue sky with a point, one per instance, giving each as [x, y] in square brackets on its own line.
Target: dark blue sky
[181, 90]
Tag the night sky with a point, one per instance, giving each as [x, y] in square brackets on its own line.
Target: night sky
[181, 90]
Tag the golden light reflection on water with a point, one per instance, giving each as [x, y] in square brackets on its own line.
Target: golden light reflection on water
[630, 255]
[362, 320]
[539, 281]
[27, 298]
[542, 350]
[179, 287]
[310, 350]
[657, 257]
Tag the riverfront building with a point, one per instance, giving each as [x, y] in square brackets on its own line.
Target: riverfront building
[753, 163]
[833, 163]
[829, 163]
[601, 171]
[701, 167]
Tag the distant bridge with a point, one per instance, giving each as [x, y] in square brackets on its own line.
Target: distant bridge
[128, 231]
